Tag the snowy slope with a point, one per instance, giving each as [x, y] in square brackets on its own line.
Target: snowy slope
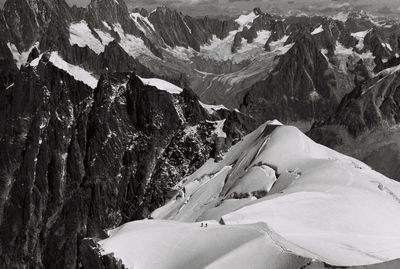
[360, 36]
[162, 85]
[81, 35]
[168, 244]
[20, 58]
[305, 200]
[212, 109]
[77, 72]
[132, 45]
[246, 20]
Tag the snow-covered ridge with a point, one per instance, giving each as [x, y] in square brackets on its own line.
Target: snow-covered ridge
[282, 199]
[212, 109]
[162, 85]
[77, 72]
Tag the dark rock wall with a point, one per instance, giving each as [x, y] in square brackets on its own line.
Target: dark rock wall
[75, 161]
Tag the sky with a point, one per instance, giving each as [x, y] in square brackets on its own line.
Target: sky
[234, 7]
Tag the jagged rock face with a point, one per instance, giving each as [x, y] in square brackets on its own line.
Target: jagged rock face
[178, 30]
[113, 59]
[77, 161]
[111, 12]
[27, 19]
[367, 118]
[296, 23]
[278, 31]
[374, 42]
[219, 28]
[299, 86]
[334, 31]
[358, 22]
[263, 22]
[368, 106]
[174, 29]
[395, 38]
[116, 12]
[8, 69]
[141, 11]
[36, 198]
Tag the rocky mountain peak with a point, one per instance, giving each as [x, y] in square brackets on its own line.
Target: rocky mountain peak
[28, 19]
[111, 11]
[376, 43]
[257, 11]
[142, 11]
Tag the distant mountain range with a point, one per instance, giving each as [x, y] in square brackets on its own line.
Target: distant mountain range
[237, 7]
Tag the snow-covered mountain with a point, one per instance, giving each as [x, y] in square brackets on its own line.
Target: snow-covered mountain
[275, 200]
[110, 115]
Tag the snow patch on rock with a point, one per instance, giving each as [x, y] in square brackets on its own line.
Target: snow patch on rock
[212, 109]
[360, 37]
[318, 30]
[20, 58]
[341, 16]
[132, 45]
[105, 37]
[80, 34]
[246, 20]
[219, 126]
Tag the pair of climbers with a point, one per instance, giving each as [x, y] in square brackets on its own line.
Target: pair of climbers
[203, 225]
